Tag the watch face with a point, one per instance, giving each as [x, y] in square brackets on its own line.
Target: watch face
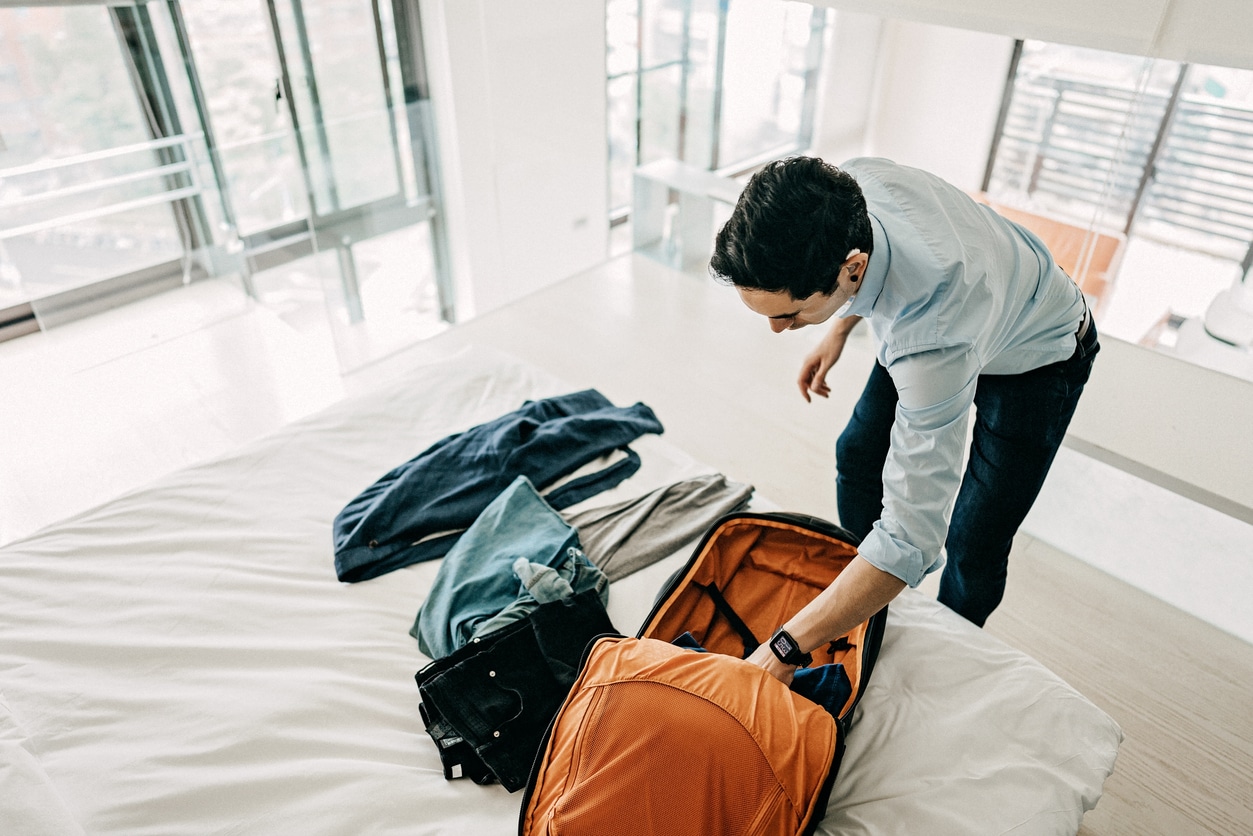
[782, 646]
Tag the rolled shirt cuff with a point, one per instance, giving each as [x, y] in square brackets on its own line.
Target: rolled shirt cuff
[897, 557]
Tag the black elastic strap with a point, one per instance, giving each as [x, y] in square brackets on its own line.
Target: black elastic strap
[733, 618]
[840, 645]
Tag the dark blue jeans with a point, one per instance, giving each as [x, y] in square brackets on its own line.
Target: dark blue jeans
[398, 520]
[1020, 420]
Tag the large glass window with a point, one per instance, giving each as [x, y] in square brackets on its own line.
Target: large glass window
[240, 75]
[332, 57]
[769, 79]
[1155, 157]
[719, 85]
[277, 145]
[82, 191]
[1080, 130]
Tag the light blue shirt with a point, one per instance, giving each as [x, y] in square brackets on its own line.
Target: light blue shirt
[952, 291]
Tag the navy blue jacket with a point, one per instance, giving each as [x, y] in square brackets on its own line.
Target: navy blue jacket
[444, 488]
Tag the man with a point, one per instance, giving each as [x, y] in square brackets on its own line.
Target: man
[967, 308]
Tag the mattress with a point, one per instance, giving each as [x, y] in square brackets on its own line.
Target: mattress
[184, 660]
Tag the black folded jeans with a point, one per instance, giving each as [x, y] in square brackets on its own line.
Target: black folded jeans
[488, 704]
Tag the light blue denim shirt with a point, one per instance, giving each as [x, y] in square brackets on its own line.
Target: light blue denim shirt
[952, 291]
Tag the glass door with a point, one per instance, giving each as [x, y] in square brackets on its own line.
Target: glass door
[341, 77]
[339, 153]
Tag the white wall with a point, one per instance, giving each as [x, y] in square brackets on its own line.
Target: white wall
[922, 95]
[1197, 31]
[518, 91]
[847, 87]
[939, 93]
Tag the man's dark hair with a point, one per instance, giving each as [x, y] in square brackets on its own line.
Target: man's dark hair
[792, 228]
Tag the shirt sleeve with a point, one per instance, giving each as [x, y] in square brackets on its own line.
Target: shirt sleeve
[923, 467]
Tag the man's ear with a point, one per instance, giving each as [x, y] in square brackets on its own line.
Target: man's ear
[857, 265]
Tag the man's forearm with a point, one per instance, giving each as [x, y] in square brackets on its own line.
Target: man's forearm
[859, 592]
[845, 325]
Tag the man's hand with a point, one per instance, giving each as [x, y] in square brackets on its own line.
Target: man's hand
[764, 657]
[813, 376]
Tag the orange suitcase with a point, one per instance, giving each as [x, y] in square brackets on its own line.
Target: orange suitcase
[654, 738]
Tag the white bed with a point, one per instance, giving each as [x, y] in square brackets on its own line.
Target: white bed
[182, 660]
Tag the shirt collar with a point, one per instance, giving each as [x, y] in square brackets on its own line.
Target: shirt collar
[876, 273]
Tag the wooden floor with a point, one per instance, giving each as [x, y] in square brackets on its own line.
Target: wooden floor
[723, 385]
[1181, 690]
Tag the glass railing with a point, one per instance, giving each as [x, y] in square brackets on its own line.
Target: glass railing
[1177, 165]
[81, 234]
[70, 222]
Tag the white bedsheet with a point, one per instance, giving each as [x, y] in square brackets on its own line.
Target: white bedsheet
[183, 660]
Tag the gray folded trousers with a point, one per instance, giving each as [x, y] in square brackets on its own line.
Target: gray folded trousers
[627, 536]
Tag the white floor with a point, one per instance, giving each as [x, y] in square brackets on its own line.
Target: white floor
[101, 406]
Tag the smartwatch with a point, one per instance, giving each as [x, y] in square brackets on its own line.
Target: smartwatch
[788, 651]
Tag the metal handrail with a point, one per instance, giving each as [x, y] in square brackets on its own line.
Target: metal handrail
[167, 195]
[100, 185]
[100, 212]
[95, 156]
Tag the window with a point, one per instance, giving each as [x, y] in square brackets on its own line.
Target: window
[83, 192]
[1157, 153]
[719, 85]
[1166, 147]
[275, 145]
